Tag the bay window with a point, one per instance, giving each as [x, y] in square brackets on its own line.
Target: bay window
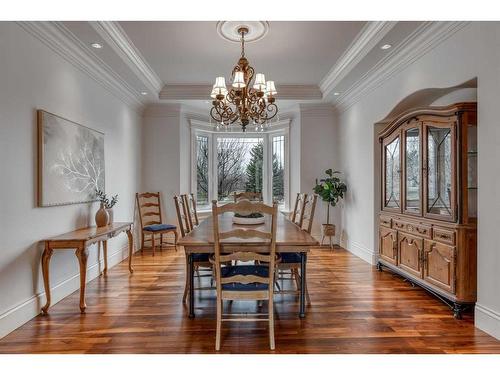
[227, 162]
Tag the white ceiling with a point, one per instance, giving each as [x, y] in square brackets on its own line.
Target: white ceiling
[156, 56]
[193, 52]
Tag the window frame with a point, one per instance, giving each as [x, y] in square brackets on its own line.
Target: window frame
[279, 128]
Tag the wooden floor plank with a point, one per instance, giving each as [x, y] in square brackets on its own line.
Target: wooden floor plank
[355, 309]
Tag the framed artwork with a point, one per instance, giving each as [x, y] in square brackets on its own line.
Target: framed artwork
[70, 161]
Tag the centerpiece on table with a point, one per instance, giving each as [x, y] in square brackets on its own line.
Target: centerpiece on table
[253, 218]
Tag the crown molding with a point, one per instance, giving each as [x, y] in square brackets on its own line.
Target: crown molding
[369, 36]
[317, 109]
[426, 37]
[202, 92]
[162, 110]
[63, 42]
[116, 37]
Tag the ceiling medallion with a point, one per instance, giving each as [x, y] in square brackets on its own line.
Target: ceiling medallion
[228, 30]
[248, 99]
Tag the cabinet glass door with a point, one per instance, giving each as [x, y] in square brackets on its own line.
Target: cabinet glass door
[412, 171]
[440, 154]
[392, 177]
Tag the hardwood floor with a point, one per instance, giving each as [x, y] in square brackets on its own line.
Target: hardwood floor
[355, 309]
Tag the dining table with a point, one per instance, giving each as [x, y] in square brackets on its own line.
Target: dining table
[290, 238]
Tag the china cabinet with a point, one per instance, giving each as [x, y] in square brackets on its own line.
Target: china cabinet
[428, 218]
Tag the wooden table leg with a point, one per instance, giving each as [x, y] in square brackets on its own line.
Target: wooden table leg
[47, 254]
[105, 253]
[191, 285]
[130, 250]
[82, 255]
[303, 260]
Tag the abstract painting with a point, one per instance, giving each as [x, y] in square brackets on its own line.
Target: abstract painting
[70, 161]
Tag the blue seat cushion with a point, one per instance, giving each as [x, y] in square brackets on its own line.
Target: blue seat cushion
[290, 257]
[258, 270]
[200, 257]
[159, 227]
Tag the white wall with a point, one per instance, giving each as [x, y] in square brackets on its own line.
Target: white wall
[33, 77]
[472, 52]
[318, 152]
[161, 154]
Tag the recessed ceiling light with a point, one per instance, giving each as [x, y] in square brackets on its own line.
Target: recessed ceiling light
[96, 45]
[336, 93]
[386, 46]
[144, 93]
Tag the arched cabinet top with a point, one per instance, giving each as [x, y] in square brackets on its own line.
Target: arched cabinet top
[415, 113]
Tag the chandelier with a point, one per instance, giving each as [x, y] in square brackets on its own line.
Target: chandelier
[248, 99]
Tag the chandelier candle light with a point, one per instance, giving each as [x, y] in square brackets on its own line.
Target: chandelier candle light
[245, 101]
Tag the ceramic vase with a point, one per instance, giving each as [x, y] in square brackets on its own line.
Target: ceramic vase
[110, 215]
[101, 217]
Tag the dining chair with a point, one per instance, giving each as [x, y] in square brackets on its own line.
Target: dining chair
[150, 216]
[200, 260]
[190, 203]
[299, 201]
[245, 282]
[291, 261]
[251, 196]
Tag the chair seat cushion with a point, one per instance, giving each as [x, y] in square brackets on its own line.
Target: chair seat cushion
[258, 270]
[200, 257]
[290, 257]
[159, 227]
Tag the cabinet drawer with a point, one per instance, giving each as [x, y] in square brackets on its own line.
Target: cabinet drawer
[385, 221]
[418, 229]
[444, 235]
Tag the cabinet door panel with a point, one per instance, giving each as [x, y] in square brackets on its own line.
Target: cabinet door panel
[410, 253]
[392, 173]
[412, 179]
[388, 244]
[440, 170]
[439, 265]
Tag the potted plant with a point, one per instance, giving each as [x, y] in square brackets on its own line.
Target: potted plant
[330, 189]
[106, 203]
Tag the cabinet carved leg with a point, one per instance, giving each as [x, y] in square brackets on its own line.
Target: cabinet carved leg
[379, 267]
[82, 255]
[130, 250]
[47, 254]
[457, 310]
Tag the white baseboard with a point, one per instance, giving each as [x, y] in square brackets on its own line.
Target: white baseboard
[24, 312]
[361, 252]
[487, 320]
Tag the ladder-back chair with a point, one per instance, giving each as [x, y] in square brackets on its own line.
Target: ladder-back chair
[291, 261]
[200, 260]
[299, 202]
[190, 203]
[245, 282]
[150, 216]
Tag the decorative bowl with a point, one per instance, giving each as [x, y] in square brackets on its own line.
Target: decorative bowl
[252, 219]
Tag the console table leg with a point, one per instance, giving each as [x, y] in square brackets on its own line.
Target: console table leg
[82, 255]
[130, 250]
[105, 253]
[47, 254]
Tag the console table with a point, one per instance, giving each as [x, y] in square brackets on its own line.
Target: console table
[80, 239]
